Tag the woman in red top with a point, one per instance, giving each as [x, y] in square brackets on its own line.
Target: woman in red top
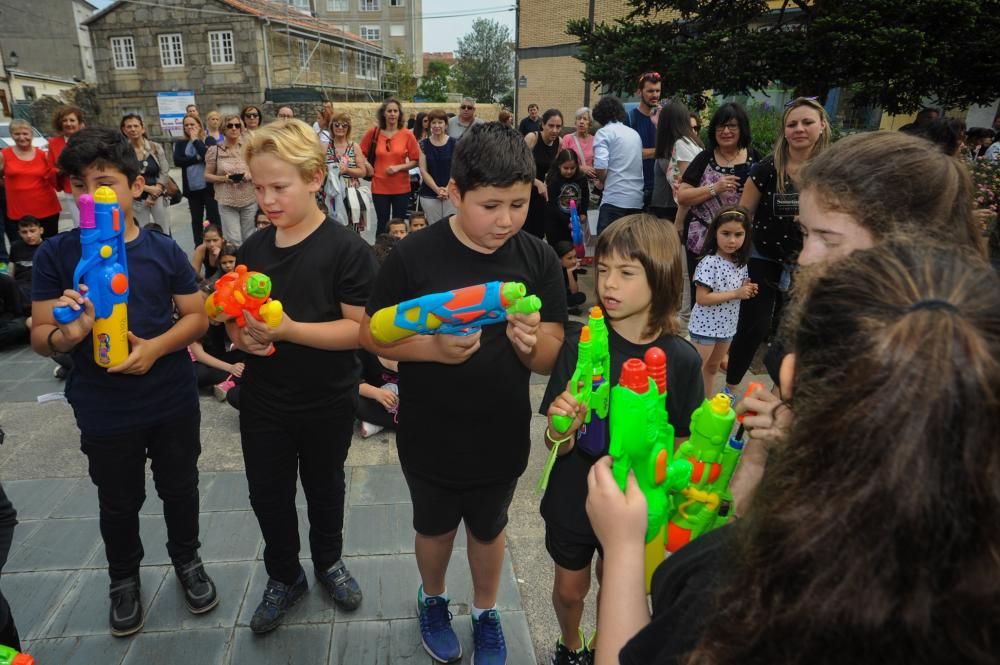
[30, 183]
[67, 121]
[395, 153]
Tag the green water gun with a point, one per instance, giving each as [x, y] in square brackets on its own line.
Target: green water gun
[706, 502]
[9, 656]
[642, 441]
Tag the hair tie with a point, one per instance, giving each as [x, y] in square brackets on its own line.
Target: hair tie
[932, 303]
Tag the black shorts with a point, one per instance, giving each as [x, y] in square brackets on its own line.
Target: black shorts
[438, 510]
[570, 550]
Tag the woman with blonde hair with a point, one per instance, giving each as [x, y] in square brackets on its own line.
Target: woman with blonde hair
[213, 127]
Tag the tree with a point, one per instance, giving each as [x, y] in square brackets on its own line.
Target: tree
[484, 61]
[890, 53]
[434, 85]
[399, 75]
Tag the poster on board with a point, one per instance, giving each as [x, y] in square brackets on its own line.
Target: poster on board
[172, 107]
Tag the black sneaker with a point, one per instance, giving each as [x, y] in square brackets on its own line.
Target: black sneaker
[199, 589]
[126, 607]
[278, 599]
[341, 584]
[563, 655]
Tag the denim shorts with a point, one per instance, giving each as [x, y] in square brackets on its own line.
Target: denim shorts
[703, 339]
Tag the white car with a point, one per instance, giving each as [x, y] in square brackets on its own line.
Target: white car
[37, 138]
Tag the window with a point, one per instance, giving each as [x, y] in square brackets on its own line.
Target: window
[367, 66]
[397, 30]
[123, 52]
[337, 6]
[220, 48]
[371, 33]
[29, 93]
[370, 5]
[171, 50]
[303, 54]
[396, 3]
[343, 62]
[300, 4]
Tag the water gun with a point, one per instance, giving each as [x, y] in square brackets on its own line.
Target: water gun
[241, 290]
[642, 441]
[10, 657]
[103, 268]
[457, 312]
[706, 502]
[577, 230]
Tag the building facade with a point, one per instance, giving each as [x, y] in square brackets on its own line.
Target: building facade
[395, 24]
[228, 53]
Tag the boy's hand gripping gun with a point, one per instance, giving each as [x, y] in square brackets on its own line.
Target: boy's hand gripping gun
[706, 503]
[458, 312]
[104, 270]
[642, 440]
[241, 290]
[9, 656]
[577, 230]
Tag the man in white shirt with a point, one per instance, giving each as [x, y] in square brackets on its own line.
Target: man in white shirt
[618, 162]
[465, 119]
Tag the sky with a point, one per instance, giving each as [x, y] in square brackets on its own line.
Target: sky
[443, 33]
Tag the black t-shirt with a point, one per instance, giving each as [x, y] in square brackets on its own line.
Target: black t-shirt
[467, 425]
[22, 255]
[107, 404]
[683, 592]
[527, 125]
[776, 235]
[373, 372]
[562, 505]
[332, 265]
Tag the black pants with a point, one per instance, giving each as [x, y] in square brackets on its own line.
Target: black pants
[203, 206]
[208, 376]
[117, 466]
[372, 412]
[8, 632]
[389, 206]
[755, 318]
[313, 446]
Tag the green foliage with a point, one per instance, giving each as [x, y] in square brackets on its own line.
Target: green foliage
[892, 53]
[484, 62]
[82, 95]
[765, 124]
[399, 75]
[434, 85]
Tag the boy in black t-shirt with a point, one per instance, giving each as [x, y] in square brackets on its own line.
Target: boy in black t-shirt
[148, 405]
[463, 435]
[297, 405]
[22, 252]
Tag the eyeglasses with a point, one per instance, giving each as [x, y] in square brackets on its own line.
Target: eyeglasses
[800, 99]
[341, 125]
[234, 125]
[251, 115]
[731, 127]
[285, 116]
[651, 77]
[466, 107]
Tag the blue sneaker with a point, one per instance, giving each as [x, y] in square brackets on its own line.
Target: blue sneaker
[729, 393]
[278, 598]
[439, 640]
[487, 638]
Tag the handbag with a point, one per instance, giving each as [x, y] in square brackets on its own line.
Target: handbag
[351, 205]
[697, 232]
[172, 192]
[371, 153]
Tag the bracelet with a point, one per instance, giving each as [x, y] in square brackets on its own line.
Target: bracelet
[48, 341]
[556, 442]
[711, 188]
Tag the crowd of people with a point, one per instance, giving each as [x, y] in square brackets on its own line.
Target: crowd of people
[862, 264]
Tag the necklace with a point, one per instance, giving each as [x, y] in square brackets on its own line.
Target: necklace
[730, 161]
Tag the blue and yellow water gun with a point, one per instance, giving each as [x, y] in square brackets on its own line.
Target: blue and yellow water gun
[103, 268]
[457, 312]
[577, 230]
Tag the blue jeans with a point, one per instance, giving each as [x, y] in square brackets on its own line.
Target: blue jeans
[608, 213]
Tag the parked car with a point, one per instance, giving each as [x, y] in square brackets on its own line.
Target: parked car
[37, 139]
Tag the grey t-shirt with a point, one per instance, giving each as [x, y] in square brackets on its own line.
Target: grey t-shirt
[456, 129]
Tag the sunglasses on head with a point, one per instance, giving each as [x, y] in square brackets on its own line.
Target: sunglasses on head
[651, 77]
[800, 99]
[466, 107]
[234, 125]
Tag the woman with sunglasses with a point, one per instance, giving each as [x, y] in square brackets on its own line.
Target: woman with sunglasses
[251, 117]
[715, 177]
[392, 151]
[226, 169]
[773, 200]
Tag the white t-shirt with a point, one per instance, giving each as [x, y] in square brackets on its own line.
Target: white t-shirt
[685, 150]
[618, 149]
[718, 274]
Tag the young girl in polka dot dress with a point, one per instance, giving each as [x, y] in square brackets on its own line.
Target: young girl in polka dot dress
[721, 281]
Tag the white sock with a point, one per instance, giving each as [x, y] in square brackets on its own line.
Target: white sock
[476, 611]
[423, 597]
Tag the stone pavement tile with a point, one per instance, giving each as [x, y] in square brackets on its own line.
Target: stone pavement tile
[294, 645]
[377, 485]
[224, 491]
[19, 370]
[379, 529]
[56, 545]
[35, 499]
[315, 606]
[34, 597]
[84, 650]
[361, 643]
[152, 533]
[18, 353]
[389, 584]
[229, 536]
[169, 611]
[23, 531]
[29, 389]
[189, 646]
[81, 501]
[85, 609]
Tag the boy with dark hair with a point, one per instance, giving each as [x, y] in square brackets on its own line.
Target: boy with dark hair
[468, 471]
[148, 405]
[22, 252]
[397, 228]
